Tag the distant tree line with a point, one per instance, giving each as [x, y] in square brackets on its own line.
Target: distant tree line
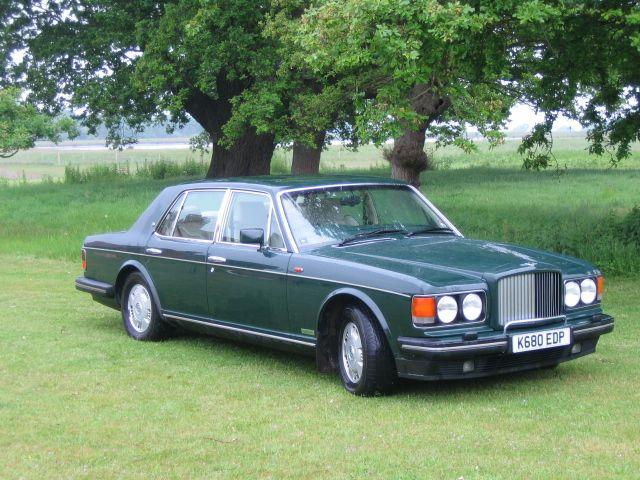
[301, 73]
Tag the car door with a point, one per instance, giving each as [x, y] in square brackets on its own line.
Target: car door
[176, 253]
[246, 283]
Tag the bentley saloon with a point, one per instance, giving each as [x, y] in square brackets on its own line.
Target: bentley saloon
[363, 273]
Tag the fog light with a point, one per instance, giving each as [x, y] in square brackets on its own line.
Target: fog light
[577, 348]
[468, 366]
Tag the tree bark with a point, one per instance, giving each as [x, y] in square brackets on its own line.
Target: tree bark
[407, 156]
[248, 156]
[306, 160]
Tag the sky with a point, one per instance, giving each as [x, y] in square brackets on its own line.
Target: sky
[524, 114]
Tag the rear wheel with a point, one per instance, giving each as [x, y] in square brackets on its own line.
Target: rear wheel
[139, 313]
[365, 360]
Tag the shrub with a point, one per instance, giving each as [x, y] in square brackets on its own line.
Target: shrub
[95, 172]
[629, 228]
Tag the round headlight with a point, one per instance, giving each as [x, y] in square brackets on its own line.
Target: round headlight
[472, 307]
[571, 294]
[589, 291]
[447, 309]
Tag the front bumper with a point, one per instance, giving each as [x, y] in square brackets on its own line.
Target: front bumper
[430, 359]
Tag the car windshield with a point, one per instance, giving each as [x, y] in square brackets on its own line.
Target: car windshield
[341, 214]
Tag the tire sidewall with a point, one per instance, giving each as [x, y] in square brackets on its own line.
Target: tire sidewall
[355, 317]
[133, 280]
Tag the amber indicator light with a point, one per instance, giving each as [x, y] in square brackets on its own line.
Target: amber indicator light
[423, 307]
[84, 259]
[600, 283]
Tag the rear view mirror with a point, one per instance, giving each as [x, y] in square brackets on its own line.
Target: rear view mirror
[252, 236]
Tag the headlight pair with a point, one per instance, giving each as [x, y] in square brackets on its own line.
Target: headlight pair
[585, 291]
[448, 309]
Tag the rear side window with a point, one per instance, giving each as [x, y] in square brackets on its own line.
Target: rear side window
[194, 217]
[166, 227]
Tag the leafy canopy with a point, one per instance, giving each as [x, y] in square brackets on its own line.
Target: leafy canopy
[579, 59]
[21, 124]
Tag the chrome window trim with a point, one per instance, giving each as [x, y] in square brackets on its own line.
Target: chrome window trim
[184, 194]
[178, 200]
[289, 232]
[222, 224]
[437, 211]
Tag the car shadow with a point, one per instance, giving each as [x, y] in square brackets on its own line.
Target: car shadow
[305, 364]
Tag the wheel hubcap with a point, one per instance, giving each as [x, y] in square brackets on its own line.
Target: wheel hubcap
[352, 357]
[139, 306]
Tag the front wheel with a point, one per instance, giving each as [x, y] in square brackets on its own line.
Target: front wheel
[366, 362]
[139, 313]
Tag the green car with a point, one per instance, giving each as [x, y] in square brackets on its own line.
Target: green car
[363, 273]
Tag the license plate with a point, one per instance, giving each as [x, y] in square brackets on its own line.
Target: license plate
[526, 342]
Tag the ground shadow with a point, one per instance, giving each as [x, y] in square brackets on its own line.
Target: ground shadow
[305, 365]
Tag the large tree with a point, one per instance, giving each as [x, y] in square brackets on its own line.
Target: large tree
[429, 67]
[125, 64]
[290, 101]
[21, 125]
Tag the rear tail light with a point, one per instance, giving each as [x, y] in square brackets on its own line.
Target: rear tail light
[600, 284]
[84, 259]
[423, 310]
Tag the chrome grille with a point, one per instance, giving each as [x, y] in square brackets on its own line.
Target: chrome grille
[529, 296]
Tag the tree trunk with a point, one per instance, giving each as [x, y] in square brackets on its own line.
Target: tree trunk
[306, 160]
[249, 155]
[407, 157]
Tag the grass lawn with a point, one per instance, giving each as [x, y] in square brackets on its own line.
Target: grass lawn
[79, 399]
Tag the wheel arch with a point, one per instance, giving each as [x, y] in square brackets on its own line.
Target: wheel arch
[328, 324]
[126, 269]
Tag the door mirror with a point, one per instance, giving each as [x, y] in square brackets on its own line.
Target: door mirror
[252, 235]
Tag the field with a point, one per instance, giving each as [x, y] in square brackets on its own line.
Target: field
[79, 399]
[50, 162]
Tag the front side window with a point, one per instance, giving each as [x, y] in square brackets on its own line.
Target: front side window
[275, 234]
[247, 211]
[331, 215]
[195, 217]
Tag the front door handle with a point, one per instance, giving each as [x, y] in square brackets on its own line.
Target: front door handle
[214, 259]
[153, 251]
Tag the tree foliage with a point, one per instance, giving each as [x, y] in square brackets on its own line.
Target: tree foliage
[302, 72]
[122, 63]
[578, 59]
[21, 124]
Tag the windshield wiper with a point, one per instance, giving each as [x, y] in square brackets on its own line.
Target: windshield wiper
[372, 233]
[445, 230]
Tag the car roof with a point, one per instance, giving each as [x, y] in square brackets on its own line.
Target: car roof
[276, 183]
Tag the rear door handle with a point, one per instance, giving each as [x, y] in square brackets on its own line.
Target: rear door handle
[214, 259]
[153, 251]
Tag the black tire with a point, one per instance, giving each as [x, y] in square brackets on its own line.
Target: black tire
[378, 367]
[156, 329]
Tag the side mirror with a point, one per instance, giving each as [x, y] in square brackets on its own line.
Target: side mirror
[252, 236]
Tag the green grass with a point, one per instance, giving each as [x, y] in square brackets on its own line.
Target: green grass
[47, 163]
[79, 399]
[576, 213]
